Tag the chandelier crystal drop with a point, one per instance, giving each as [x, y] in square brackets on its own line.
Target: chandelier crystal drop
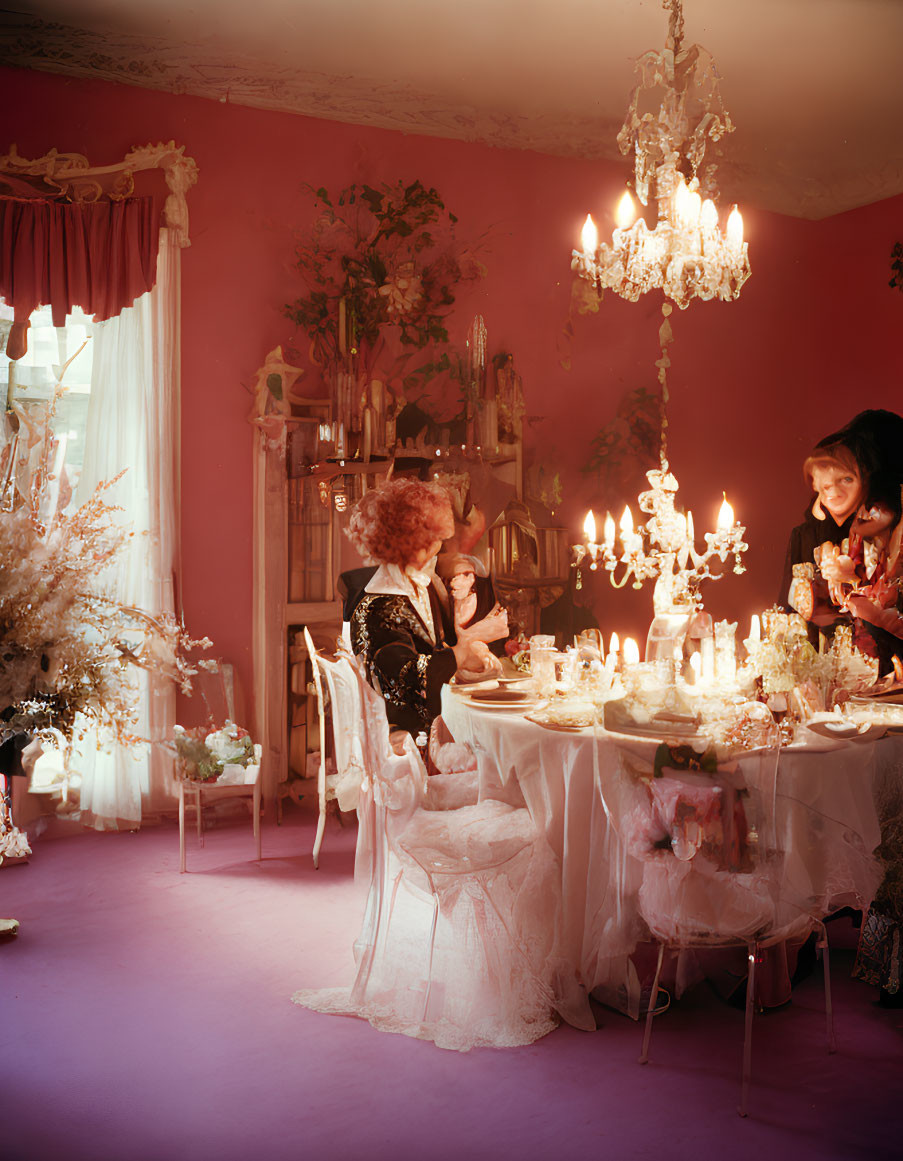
[686, 255]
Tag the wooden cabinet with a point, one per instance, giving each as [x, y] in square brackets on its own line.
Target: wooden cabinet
[303, 494]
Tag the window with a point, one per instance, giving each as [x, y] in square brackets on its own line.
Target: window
[38, 371]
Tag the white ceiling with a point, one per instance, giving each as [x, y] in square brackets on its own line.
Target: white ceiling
[815, 87]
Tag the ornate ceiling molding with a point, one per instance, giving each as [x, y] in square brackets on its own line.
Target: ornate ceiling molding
[200, 71]
[768, 176]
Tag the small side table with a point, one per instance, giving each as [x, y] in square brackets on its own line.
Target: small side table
[198, 791]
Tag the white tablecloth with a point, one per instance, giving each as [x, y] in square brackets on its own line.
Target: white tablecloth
[579, 797]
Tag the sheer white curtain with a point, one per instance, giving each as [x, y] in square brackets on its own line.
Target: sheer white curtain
[133, 424]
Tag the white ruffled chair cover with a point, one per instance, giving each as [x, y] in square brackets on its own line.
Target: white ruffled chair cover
[338, 679]
[453, 947]
[721, 868]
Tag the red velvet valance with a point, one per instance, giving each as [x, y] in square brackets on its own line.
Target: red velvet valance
[100, 256]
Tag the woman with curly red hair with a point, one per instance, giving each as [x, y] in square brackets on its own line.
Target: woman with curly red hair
[401, 627]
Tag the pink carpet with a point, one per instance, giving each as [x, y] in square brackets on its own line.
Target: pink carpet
[146, 1017]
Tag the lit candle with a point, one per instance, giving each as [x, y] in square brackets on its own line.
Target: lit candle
[755, 629]
[694, 209]
[631, 652]
[707, 651]
[614, 645]
[708, 227]
[609, 669]
[735, 230]
[589, 237]
[681, 203]
[708, 216]
[691, 531]
[628, 537]
[609, 531]
[683, 550]
[589, 527]
[725, 516]
[625, 212]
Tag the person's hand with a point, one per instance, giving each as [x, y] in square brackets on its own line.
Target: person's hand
[475, 657]
[492, 627]
[876, 604]
[838, 570]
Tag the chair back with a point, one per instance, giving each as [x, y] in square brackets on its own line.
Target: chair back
[710, 845]
[347, 714]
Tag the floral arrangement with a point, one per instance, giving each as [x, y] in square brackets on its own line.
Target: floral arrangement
[66, 644]
[203, 754]
[784, 658]
[13, 843]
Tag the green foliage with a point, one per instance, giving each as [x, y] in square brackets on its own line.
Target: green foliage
[896, 265]
[388, 255]
[623, 450]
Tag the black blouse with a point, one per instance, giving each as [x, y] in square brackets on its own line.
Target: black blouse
[401, 661]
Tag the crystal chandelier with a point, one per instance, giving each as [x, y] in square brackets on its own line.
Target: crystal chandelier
[663, 549]
[686, 255]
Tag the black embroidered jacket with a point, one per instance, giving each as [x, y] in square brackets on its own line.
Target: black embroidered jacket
[400, 660]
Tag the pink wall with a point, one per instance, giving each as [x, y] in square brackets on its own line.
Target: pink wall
[814, 337]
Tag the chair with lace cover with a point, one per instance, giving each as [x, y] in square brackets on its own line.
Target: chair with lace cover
[713, 847]
[337, 678]
[452, 947]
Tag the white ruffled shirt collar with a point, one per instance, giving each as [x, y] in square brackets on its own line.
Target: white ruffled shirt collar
[391, 580]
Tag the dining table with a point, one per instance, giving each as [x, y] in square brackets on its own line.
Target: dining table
[809, 812]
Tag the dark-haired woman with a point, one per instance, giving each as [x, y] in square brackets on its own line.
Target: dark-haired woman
[851, 537]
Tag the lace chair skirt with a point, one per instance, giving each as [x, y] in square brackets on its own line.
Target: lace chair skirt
[478, 979]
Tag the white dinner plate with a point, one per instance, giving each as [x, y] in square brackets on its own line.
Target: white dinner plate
[847, 731]
[504, 706]
[470, 687]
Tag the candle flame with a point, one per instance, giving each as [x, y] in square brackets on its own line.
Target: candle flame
[614, 644]
[626, 520]
[696, 663]
[589, 527]
[694, 207]
[735, 229]
[755, 628]
[589, 236]
[708, 215]
[682, 201]
[625, 211]
[725, 515]
[631, 652]
[609, 531]
[691, 531]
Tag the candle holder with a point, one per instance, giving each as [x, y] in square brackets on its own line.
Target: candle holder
[663, 549]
